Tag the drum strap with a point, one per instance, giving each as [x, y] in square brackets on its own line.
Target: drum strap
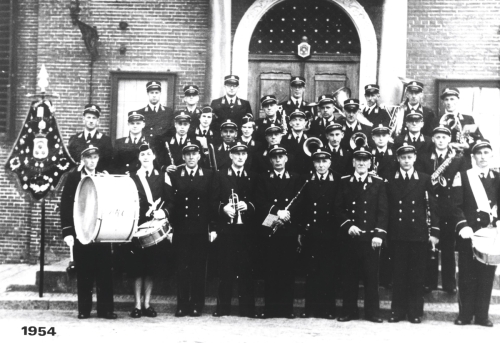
[146, 187]
[479, 193]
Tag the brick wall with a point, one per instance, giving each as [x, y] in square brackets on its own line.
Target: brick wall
[163, 36]
[452, 39]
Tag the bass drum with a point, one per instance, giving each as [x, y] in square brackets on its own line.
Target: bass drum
[106, 209]
[486, 246]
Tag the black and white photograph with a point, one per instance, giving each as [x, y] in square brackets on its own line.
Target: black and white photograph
[250, 170]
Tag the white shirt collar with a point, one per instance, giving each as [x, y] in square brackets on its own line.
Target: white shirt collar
[370, 109]
[410, 172]
[178, 137]
[295, 134]
[88, 172]
[357, 176]
[92, 133]
[246, 140]
[384, 149]
[320, 176]
[228, 99]
[411, 135]
[333, 148]
[294, 100]
[143, 170]
[154, 107]
[480, 171]
[237, 169]
[195, 169]
[353, 125]
[279, 174]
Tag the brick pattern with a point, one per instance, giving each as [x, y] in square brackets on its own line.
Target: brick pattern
[452, 39]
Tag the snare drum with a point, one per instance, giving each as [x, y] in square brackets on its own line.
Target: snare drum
[486, 246]
[152, 232]
[106, 209]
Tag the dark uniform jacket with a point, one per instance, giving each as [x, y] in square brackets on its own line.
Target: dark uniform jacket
[195, 116]
[465, 119]
[126, 155]
[377, 116]
[363, 204]
[317, 218]
[224, 111]
[428, 164]
[159, 123]
[346, 141]
[302, 163]
[171, 144]
[263, 123]
[341, 160]
[160, 186]
[289, 106]
[77, 143]
[222, 157]
[386, 164]
[225, 183]
[423, 143]
[408, 208]
[275, 194]
[191, 212]
[429, 119]
[318, 126]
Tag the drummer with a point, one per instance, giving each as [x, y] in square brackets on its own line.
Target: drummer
[477, 197]
[155, 204]
[92, 261]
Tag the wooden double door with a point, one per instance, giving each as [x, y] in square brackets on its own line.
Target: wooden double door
[271, 75]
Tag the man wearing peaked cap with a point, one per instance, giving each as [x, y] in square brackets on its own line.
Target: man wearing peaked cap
[351, 124]
[205, 133]
[373, 112]
[294, 142]
[92, 261]
[414, 102]
[341, 157]
[91, 135]
[414, 135]
[477, 198]
[248, 135]
[296, 100]
[127, 148]
[191, 100]
[276, 189]
[385, 163]
[190, 217]
[229, 134]
[326, 117]
[429, 163]
[362, 211]
[273, 115]
[230, 106]
[234, 207]
[463, 135]
[318, 237]
[411, 198]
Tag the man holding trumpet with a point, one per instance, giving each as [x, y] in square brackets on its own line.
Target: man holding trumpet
[232, 203]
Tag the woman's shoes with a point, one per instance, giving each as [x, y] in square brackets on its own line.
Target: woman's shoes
[149, 312]
[136, 313]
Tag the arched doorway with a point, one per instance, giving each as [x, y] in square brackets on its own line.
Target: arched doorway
[342, 39]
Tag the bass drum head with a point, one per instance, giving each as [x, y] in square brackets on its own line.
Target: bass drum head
[85, 210]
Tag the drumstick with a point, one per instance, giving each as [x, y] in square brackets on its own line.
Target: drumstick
[71, 254]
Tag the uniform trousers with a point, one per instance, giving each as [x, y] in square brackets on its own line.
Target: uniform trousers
[448, 265]
[475, 282]
[191, 260]
[386, 264]
[321, 262]
[280, 275]
[362, 262]
[408, 278]
[93, 263]
[235, 263]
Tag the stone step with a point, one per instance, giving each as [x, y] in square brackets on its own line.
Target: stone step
[167, 305]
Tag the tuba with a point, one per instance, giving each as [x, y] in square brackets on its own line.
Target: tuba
[358, 140]
[311, 145]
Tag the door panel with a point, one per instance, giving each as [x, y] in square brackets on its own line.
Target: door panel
[322, 77]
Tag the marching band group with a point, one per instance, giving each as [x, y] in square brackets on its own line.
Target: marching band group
[365, 194]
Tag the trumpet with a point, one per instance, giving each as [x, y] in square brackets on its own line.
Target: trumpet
[234, 200]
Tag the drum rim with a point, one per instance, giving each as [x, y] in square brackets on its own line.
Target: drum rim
[82, 181]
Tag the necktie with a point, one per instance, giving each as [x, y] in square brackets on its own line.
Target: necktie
[359, 179]
[238, 173]
[191, 175]
[298, 139]
[297, 104]
[89, 137]
[204, 133]
[414, 140]
[231, 103]
[147, 173]
[440, 160]
[482, 175]
[407, 177]
[135, 140]
[180, 141]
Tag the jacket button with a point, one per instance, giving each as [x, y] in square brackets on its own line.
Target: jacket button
[354, 202]
[478, 219]
[314, 204]
[400, 202]
[365, 202]
[314, 212]
[413, 211]
[365, 211]
[286, 199]
[186, 215]
[275, 200]
[352, 211]
[186, 199]
[186, 207]
[400, 219]
[413, 220]
[315, 220]
[400, 210]
[413, 202]
[365, 221]
[437, 195]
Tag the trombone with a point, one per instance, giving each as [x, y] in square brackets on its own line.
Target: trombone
[233, 201]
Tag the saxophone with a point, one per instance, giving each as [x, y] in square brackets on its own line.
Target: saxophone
[284, 126]
[437, 176]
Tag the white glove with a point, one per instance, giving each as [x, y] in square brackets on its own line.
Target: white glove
[171, 168]
[170, 236]
[284, 215]
[69, 240]
[466, 232]
[159, 214]
[242, 206]
[376, 242]
[434, 241]
[229, 209]
[355, 231]
[213, 236]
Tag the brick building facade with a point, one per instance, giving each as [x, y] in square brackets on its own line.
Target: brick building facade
[446, 39]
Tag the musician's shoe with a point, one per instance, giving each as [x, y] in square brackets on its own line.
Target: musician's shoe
[180, 313]
[196, 313]
[305, 315]
[149, 312]
[290, 316]
[219, 314]
[450, 291]
[136, 313]
[329, 315]
[488, 323]
[264, 315]
[459, 321]
[348, 318]
[394, 319]
[374, 319]
[252, 315]
[82, 315]
[107, 315]
[415, 320]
